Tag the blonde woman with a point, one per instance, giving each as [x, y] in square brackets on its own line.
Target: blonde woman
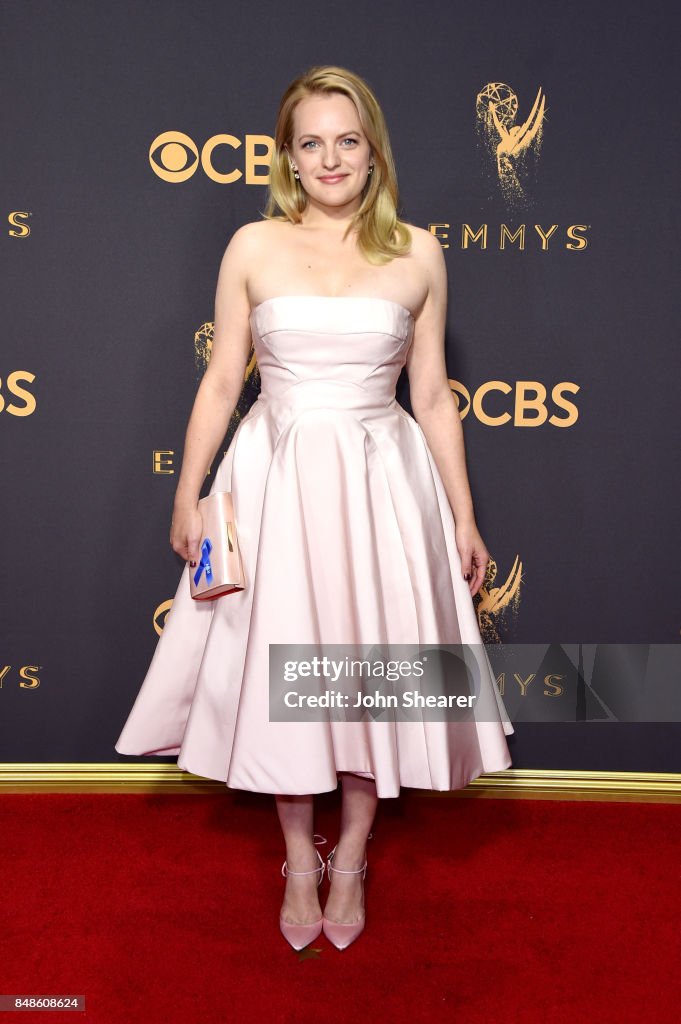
[355, 520]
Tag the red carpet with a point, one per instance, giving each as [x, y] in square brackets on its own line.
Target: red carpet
[165, 909]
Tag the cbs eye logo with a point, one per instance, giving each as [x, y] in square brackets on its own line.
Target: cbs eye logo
[161, 614]
[174, 157]
[11, 386]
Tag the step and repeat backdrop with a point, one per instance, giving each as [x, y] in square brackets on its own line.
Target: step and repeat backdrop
[540, 146]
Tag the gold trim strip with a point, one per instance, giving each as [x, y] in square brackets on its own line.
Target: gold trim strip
[518, 783]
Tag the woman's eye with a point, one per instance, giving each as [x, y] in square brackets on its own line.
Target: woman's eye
[311, 142]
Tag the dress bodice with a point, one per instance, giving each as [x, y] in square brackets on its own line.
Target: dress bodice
[353, 341]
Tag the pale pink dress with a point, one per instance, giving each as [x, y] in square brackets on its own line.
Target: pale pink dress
[346, 537]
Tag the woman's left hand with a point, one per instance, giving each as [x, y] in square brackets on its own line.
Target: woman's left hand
[474, 555]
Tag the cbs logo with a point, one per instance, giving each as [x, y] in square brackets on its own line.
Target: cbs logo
[175, 157]
[527, 407]
[12, 386]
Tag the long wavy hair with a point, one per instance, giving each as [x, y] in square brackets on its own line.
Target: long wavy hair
[381, 235]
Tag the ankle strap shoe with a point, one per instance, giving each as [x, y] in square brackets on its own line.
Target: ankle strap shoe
[300, 935]
[339, 933]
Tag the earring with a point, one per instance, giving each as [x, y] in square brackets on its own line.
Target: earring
[295, 172]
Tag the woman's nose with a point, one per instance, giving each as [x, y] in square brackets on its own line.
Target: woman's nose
[330, 159]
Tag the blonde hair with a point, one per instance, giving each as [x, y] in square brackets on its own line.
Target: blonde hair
[381, 235]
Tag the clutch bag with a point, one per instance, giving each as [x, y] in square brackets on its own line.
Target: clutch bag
[219, 569]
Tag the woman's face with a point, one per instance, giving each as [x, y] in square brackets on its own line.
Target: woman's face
[330, 150]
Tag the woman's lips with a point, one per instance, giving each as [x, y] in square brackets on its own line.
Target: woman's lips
[330, 179]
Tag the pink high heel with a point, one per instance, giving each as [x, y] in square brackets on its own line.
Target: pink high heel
[341, 934]
[300, 935]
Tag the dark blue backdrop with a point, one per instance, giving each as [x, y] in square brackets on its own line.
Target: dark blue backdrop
[109, 277]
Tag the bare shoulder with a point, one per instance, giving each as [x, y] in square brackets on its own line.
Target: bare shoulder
[247, 248]
[429, 259]
[425, 246]
[252, 236]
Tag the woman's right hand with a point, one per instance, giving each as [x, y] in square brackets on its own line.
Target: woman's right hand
[185, 531]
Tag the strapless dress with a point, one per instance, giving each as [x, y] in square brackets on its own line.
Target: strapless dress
[346, 537]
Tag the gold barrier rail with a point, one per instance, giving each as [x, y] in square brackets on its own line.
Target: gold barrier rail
[518, 783]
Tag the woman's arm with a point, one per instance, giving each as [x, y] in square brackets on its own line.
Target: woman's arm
[436, 411]
[223, 379]
[217, 393]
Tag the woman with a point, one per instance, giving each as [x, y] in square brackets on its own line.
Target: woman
[345, 505]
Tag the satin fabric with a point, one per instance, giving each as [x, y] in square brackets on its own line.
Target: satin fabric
[346, 536]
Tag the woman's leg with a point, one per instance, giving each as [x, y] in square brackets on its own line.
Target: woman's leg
[357, 816]
[301, 900]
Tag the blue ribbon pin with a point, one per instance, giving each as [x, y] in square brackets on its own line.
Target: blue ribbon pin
[204, 564]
